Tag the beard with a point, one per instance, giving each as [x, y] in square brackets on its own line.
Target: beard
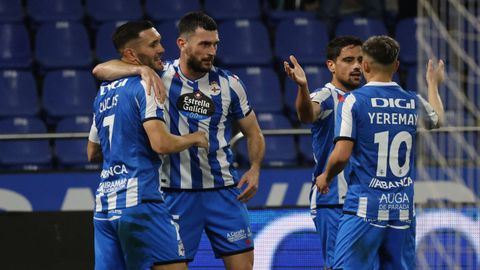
[196, 65]
[349, 84]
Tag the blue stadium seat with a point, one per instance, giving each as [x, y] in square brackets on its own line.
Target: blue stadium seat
[68, 93]
[73, 152]
[279, 150]
[233, 9]
[360, 27]
[18, 90]
[63, 45]
[29, 155]
[161, 10]
[405, 34]
[104, 49]
[317, 78]
[169, 32]
[55, 10]
[11, 11]
[262, 87]
[15, 51]
[114, 10]
[313, 36]
[244, 42]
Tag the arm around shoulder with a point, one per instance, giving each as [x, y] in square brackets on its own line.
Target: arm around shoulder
[163, 142]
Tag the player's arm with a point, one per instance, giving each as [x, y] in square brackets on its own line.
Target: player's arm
[163, 142]
[435, 76]
[116, 69]
[256, 150]
[307, 111]
[94, 150]
[337, 161]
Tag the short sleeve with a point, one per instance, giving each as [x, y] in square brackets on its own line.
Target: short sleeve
[240, 106]
[345, 126]
[427, 115]
[93, 135]
[149, 106]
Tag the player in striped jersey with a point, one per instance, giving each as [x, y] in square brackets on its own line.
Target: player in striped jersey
[202, 188]
[344, 57]
[375, 132]
[133, 228]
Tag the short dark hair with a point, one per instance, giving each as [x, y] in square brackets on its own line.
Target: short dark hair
[382, 49]
[129, 31]
[336, 45]
[193, 20]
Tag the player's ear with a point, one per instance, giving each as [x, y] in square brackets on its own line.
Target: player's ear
[181, 41]
[331, 66]
[129, 54]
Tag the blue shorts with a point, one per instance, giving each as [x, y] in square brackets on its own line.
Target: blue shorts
[136, 238]
[326, 222]
[217, 212]
[360, 243]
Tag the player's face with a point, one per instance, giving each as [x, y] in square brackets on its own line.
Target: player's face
[150, 50]
[201, 49]
[347, 72]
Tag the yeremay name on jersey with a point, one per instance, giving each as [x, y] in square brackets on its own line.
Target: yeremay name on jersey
[393, 118]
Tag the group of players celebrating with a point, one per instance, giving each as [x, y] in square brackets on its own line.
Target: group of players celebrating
[152, 212]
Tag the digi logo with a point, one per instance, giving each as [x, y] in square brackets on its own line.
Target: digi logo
[393, 103]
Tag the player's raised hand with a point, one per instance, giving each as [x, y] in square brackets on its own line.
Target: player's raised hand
[153, 82]
[251, 178]
[202, 140]
[321, 183]
[296, 73]
[435, 72]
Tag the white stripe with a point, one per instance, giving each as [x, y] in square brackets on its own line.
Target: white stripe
[108, 219]
[222, 142]
[277, 194]
[303, 197]
[342, 187]
[111, 201]
[151, 104]
[404, 227]
[164, 170]
[183, 127]
[132, 192]
[362, 207]
[347, 119]
[93, 135]
[98, 202]
[383, 215]
[313, 198]
[404, 214]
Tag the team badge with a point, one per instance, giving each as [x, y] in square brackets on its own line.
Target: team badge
[215, 88]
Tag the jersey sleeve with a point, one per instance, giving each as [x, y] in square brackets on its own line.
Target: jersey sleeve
[93, 135]
[345, 126]
[323, 97]
[428, 116]
[149, 107]
[240, 106]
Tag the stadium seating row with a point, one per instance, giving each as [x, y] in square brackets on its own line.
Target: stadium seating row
[66, 93]
[66, 44]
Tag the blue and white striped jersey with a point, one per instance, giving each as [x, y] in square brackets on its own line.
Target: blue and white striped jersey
[323, 131]
[209, 104]
[130, 170]
[381, 118]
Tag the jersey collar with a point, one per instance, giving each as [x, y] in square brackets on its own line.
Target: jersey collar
[381, 84]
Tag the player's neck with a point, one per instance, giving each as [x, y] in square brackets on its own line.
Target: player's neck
[379, 77]
[188, 72]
